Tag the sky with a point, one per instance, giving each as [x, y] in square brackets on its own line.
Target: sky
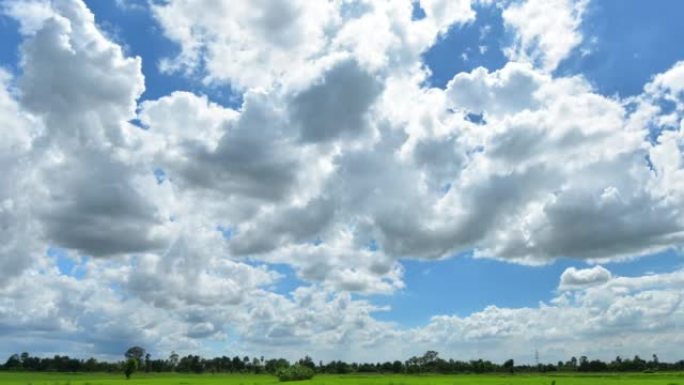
[348, 179]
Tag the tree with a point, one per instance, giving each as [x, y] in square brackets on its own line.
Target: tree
[509, 365]
[308, 362]
[238, 365]
[13, 362]
[397, 366]
[173, 360]
[135, 352]
[130, 367]
[256, 365]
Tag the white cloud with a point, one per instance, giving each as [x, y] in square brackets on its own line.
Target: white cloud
[581, 278]
[19, 238]
[545, 31]
[260, 44]
[671, 80]
[593, 321]
[507, 91]
[245, 43]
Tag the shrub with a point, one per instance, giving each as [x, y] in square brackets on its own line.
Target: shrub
[130, 366]
[295, 372]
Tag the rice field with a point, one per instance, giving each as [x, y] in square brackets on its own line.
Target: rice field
[12, 378]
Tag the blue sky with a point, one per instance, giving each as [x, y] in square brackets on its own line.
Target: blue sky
[174, 161]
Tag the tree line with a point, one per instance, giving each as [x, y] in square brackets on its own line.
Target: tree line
[430, 362]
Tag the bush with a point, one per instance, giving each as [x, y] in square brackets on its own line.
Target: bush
[130, 366]
[295, 372]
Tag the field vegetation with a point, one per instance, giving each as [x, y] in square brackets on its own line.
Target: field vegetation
[138, 367]
[35, 378]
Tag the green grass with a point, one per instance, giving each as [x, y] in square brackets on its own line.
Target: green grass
[236, 379]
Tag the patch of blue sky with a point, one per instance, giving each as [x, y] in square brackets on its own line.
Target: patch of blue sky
[476, 118]
[10, 40]
[160, 175]
[373, 245]
[463, 285]
[288, 281]
[66, 264]
[627, 42]
[140, 35]
[466, 47]
[227, 231]
[417, 12]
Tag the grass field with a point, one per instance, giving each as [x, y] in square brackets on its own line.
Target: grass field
[226, 379]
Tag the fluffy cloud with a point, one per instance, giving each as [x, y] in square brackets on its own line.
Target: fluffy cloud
[20, 232]
[545, 31]
[591, 320]
[261, 44]
[337, 106]
[245, 43]
[102, 320]
[672, 80]
[579, 278]
[567, 169]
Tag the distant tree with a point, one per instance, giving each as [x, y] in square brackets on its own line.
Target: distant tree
[275, 365]
[413, 365]
[256, 365]
[147, 363]
[130, 367]
[13, 362]
[90, 365]
[173, 360]
[397, 367]
[509, 365]
[135, 352]
[238, 365]
[308, 362]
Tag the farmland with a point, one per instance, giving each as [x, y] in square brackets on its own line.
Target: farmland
[31, 378]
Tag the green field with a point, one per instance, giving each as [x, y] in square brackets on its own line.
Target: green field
[226, 379]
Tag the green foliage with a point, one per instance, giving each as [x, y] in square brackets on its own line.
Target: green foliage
[130, 366]
[57, 378]
[135, 352]
[295, 372]
[510, 366]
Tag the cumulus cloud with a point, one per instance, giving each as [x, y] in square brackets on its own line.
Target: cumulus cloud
[261, 44]
[246, 43]
[337, 106]
[579, 278]
[507, 91]
[20, 235]
[545, 31]
[592, 320]
[671, 80]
